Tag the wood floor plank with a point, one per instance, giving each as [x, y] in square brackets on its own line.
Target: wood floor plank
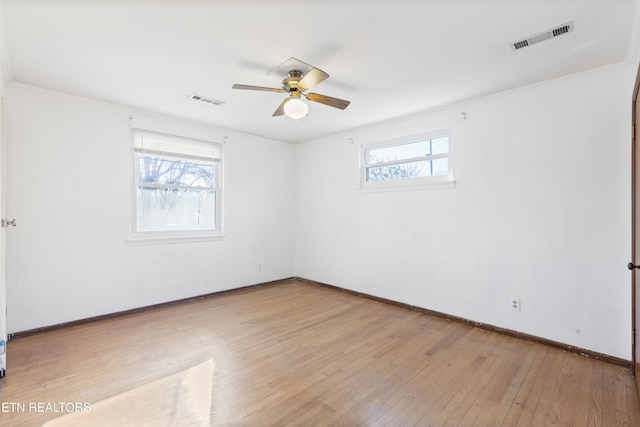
[525, 402]
[302, 355]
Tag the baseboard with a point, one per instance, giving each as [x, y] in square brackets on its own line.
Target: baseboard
[562, 346]
[35, 331]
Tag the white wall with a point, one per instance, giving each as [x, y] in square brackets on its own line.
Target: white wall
[69, 187]
[541, 211]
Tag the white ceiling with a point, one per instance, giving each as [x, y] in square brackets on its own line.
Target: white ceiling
[389, 58]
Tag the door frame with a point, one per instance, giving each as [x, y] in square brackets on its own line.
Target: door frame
[3, 181]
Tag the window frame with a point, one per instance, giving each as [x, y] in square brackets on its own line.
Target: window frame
[421, 182]
[176, 236]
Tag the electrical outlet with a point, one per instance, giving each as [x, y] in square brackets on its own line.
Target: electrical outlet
[259, 267]
[514, 303]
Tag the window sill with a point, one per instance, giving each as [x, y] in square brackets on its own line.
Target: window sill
[166, 238]
[396, 186]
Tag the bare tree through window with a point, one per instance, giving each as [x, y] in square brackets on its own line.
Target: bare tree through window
[174, 191]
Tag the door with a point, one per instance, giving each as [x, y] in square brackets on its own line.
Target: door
[635, 230]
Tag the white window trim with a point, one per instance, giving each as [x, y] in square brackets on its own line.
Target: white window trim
[418, 183]
[153, 238]
[136, 238]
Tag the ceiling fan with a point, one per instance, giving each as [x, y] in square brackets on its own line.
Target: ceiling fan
[297, 84]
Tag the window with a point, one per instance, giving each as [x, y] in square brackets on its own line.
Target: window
[177, 186]
[413, 160]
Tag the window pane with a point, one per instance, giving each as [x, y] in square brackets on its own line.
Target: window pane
[440, 145]
[398, 152]
[171, 171]
[408, 170]
[439, 167]
[163, 209]
[404, 170]
[410, 150]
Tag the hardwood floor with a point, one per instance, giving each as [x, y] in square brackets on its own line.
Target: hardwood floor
[299, 354]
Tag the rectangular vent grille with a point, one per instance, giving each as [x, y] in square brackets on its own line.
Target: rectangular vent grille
[562, 30]
[545, 35]
[521, 44]
[206, 100]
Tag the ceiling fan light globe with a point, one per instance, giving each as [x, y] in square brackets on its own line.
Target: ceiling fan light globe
[296, 109]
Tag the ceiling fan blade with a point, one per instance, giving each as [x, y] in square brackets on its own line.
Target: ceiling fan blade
[328, 100]
[280, 110]
[267, 89]
[312, 78]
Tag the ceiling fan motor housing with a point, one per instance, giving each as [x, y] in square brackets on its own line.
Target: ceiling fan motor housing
[291, 83]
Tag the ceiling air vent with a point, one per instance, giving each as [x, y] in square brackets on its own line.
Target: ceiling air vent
[206, 100]
[545, 35]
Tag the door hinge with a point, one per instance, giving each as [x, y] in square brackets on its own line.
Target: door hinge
[633, 336]
[7, 222]
[633, 132]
